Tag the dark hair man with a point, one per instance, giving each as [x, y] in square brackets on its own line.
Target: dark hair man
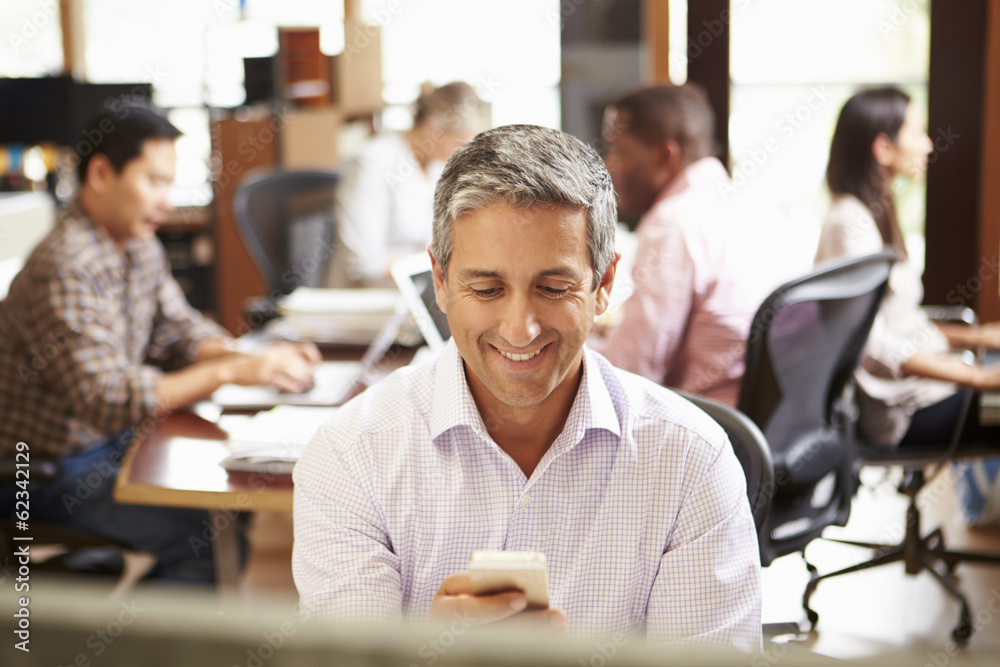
[98, 342]
[706, 256]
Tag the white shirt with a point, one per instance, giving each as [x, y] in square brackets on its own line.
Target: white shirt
[639, 506]
[888, 397]
[383, 209]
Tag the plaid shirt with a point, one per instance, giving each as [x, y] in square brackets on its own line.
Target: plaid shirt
[85, 333]
[639, 506]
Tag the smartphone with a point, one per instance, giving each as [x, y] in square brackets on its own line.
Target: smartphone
[526, 571]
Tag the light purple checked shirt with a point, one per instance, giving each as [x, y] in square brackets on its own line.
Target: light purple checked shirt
[639, 507]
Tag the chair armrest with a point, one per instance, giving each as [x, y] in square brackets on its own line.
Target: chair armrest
[952, 314]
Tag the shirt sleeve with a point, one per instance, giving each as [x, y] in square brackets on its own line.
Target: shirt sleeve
[362, 212]
[342, 560]
[178, 329]
[656, 316]
[86, 355]
[707, 589]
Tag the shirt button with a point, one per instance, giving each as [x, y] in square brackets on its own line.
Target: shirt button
[525, 501]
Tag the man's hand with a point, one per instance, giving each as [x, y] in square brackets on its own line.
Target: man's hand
[287, 366]
[986, 378]
[990, 335]
[455, 598]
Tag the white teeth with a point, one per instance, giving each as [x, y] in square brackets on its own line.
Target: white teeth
[519, 357]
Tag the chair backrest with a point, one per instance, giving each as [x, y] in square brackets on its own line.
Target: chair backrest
[805, 342]
[750, 448]
[286, 221]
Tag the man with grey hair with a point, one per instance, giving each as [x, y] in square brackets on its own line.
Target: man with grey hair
[517, 437]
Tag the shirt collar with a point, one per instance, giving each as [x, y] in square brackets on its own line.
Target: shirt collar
[704, 172]
[453, 406]
[593, 407]
[76, 214]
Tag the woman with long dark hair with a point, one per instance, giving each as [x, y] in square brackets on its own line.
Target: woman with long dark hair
[909, 381]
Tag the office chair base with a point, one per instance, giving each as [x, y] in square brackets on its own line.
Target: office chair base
[927, 553]
[779, 629]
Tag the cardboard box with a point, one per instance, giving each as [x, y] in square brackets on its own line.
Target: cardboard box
[309, 139]
[356, 73]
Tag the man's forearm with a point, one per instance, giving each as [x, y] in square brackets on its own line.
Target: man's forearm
[213, 348]
[194, 383]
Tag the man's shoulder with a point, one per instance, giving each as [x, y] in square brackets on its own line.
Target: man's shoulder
[652, 409]
[67, 248]
[689, 213]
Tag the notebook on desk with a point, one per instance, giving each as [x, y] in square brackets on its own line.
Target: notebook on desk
[332, 382]
[273, 441]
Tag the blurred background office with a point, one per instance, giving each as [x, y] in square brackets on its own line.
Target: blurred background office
[304, 84]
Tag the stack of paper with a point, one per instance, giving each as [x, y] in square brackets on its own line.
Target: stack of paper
[272, 441]
[348, 316]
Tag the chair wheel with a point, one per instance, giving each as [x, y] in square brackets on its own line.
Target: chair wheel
[961, 634]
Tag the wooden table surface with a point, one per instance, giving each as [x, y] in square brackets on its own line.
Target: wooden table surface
[177, 463]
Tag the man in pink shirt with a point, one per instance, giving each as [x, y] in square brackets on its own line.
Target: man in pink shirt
[706, 258]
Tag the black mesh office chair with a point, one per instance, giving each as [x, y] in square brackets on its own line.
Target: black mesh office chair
[286, 221]
[751, 449]
[804, 343]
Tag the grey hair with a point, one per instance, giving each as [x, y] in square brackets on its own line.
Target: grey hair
[524, 166]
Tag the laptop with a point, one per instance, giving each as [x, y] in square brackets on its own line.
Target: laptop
[415, 279]
[331, 383]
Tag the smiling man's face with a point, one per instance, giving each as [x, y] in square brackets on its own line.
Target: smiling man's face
[520, 301]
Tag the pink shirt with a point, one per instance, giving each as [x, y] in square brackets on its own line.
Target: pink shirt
[706, 260]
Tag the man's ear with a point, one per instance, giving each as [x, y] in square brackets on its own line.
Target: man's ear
[100, 173]
[669, 153]
[883, 149]
[439, 284]
[607, 282]
[669, 159]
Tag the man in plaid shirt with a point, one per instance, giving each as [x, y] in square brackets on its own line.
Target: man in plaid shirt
[97, 343]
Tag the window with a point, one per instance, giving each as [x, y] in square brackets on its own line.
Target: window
[32, 39]
[192, 51]
[793, 64]
[508, 50]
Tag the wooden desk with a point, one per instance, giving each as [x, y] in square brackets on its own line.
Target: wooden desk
[177, 465]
